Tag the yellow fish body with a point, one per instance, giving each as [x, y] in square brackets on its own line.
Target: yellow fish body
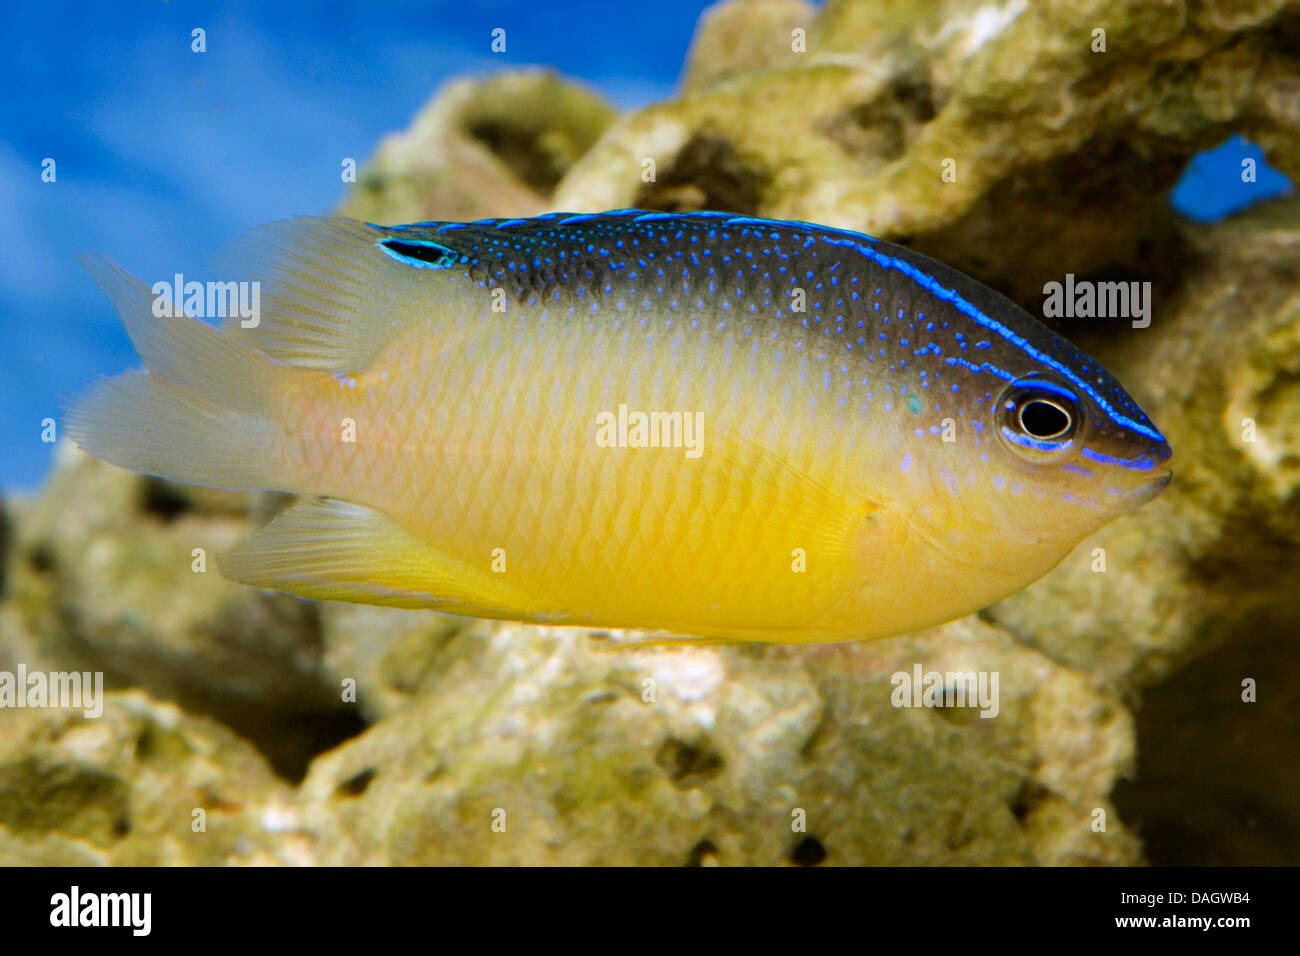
[710, 425]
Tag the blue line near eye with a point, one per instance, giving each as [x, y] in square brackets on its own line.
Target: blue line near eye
[1024, 441]
[1141, 463]
[420, 253]
[948, 295]
[1041, 386]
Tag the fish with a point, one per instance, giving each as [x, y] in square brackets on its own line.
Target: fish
[715, 426]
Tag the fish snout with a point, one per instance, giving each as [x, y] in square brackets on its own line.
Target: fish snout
[1151, 487]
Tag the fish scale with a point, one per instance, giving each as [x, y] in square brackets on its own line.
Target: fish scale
[864, 464]
[544, 531]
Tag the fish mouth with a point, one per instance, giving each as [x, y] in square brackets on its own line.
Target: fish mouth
[1149, 489]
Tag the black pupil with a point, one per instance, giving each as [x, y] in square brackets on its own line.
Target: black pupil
[1043, 419]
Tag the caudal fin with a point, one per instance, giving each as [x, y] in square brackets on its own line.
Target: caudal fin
[200, 413]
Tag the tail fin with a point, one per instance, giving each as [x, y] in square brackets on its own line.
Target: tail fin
[198, 416]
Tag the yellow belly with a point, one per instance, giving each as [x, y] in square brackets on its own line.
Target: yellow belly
[498, 467]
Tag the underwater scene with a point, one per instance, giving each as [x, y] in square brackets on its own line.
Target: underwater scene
[770, 433]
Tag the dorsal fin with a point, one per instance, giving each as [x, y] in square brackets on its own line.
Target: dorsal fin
[329, 296]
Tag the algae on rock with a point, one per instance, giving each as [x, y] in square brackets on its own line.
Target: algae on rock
[581, 756]
[142, 785]
[998, 138]
[481, 148]
[106, 578]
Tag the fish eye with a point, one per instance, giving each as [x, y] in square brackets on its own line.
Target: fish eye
[1038, 419]
[1044, 419]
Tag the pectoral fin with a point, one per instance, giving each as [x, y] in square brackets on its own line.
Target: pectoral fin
[334, 550]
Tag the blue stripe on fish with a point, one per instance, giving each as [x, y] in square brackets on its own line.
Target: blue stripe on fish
[1036, 444]
[1040, 385]
[1143, 463]
[928, 282]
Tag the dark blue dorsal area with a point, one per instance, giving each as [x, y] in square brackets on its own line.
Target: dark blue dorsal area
[703, 262]
[716, 261]
[573, 247]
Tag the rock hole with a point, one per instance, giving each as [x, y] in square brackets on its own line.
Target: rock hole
[163, 500]
[1027, 798]
[1217, 782]
[703, 853]
[522, 149]
[707, 173]
[688, 765]
[356, 785]
[808, 852]
[40, 558]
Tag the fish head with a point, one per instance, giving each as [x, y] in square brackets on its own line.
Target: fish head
[1045, 447]
[1079, 451]
[1054, 458]
[1037, 464]
[1014, 444]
